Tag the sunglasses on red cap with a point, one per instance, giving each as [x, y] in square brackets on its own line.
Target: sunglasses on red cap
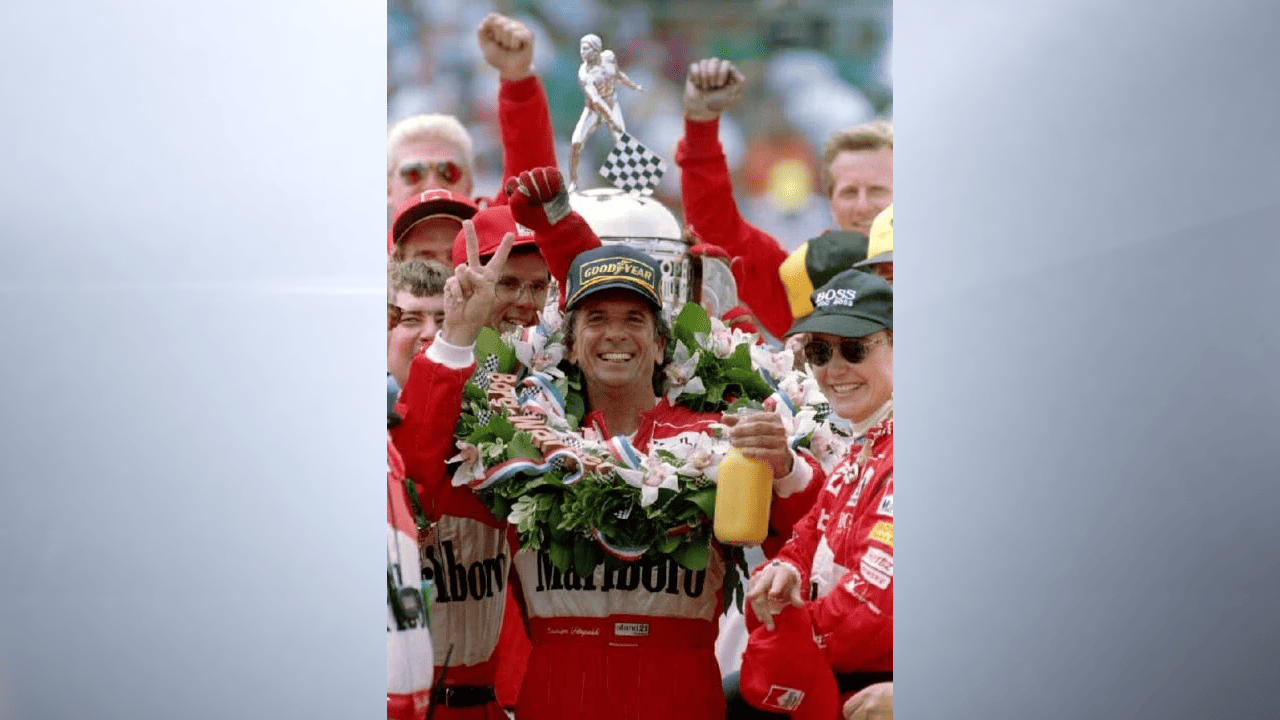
[413, 173]
[853, 350]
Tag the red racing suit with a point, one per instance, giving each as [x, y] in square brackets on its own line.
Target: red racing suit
[524, 120]
[706, 196]
[467, 556]
[636, 643]
[408, 638]
[843, 550]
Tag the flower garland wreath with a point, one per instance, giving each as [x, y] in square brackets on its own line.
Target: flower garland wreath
[586, 499]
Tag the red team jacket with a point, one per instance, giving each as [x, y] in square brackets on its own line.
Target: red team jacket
[706, 195]
[408, 638]
[469, 556]
[844, 551]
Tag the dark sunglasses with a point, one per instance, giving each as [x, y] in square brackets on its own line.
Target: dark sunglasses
[853, 350]
[447, 170]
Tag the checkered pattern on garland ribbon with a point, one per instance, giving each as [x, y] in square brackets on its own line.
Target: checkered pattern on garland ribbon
[632, 167]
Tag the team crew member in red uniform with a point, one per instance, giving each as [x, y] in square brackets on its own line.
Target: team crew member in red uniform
[409, 665]
[636, 643]
[857, 178]
[833, 581]
[435, 152]
[467, 551]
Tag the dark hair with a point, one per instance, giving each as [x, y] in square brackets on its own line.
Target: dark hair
[661, 331]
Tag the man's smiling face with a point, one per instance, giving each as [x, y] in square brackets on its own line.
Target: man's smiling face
[616, 343]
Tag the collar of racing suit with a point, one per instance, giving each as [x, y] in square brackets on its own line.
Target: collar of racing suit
[886, 410]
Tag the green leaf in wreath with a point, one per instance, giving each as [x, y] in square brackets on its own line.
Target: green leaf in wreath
[693, 319]
[667, 543]
[521, 446]
[705, 499]
[501, 428]
[561, 556]
[693, 554]
[584, 557]
[473, 393]
[488, 342]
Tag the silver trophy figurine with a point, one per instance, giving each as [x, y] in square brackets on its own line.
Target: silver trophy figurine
[598, 75]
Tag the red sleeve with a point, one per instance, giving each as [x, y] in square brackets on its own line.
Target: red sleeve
[429, 407]
[562, 243]
[706, 195]
[787, 512]
[799, 549]
[855, 620]
[524, 119]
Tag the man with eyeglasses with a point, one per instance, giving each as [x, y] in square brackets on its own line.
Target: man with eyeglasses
[822, 611]
[434, 151]
[522, 288]
[483, 627]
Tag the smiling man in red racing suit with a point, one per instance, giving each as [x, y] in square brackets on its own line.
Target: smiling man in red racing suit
[637, 643]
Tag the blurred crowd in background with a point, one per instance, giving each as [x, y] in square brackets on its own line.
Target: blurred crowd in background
[813, 67]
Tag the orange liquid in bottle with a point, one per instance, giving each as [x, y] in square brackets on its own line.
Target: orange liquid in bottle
[743, 494]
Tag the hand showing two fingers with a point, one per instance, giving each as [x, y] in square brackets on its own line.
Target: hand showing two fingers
[469, 296]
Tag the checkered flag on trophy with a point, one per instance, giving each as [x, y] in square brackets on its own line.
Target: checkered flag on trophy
[632, 167]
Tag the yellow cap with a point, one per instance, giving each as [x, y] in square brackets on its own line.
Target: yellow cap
[795, 278]
[881, 233]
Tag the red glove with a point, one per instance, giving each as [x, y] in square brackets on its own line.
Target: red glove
[540, 202]
[707, 250]
[538, 198]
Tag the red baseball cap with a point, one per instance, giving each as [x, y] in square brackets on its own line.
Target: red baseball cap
[430, 204]
[492, 223]
[784, 670]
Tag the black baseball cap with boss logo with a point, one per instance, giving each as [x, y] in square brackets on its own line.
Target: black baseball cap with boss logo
[852, 304]
[613, 266]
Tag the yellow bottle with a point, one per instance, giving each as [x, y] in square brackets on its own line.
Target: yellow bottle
[743, 494]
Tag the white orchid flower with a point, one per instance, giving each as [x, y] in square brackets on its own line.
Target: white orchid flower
[777, 364]
[800, 424]
[827, 447]
[719, 341]
[679, 373]
[800, 389]
[472, 469]
[539, 355]
[649, 478]
[552, 320]
[704, 460]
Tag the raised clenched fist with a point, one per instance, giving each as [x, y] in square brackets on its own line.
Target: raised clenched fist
[711, 86]
[507, 45]
[538, 198]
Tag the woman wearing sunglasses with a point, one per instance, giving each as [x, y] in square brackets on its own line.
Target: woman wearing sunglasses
[831, 586]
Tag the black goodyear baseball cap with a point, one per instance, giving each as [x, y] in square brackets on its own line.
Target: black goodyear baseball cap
[852, 304]
[613, 265]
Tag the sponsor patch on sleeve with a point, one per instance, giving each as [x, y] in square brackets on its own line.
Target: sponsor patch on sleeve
[883, 532]
[877, 567]
[886, 506]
